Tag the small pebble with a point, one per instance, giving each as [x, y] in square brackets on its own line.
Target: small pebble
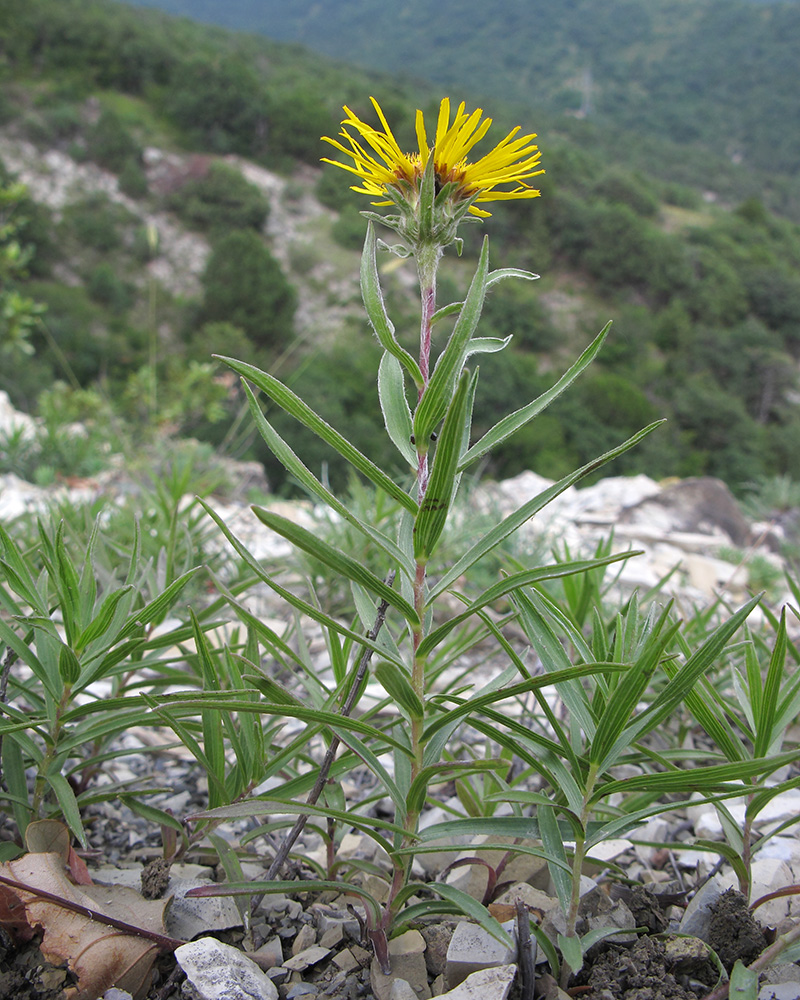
[301, 990]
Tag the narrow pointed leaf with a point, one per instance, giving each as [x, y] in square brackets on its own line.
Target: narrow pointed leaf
[104, 618]
[524, 513]
[395, 408]
[508, 425]
[507, 586]
[397, 685]
[156, 609]
[376, 310]
[295, 407]
[337, 560]
[290, 461]
[557, 856]
[472, 908]
[766, 718]
[313, 612]
[435, 505]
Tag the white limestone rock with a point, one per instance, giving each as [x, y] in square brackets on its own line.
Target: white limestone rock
[216, 971]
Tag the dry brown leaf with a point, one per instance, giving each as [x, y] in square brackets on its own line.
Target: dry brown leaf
[100, 956]
[45, 836]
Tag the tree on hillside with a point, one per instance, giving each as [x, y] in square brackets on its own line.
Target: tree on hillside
[245, 286]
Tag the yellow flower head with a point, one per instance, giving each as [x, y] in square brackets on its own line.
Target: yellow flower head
[383, 168]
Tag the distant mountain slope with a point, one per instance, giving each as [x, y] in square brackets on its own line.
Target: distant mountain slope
[723, 73]
[180, 122]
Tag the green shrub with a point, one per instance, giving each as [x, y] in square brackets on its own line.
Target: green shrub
[96, 222]
[244, 286]
[132, 179]
[105, 287]
[623, 189]
[222, 199]
[110, 144]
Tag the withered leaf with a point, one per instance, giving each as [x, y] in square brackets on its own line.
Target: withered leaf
[100, 956]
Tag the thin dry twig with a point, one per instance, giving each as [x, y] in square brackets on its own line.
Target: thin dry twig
[524, 955]
[164, 942]
[289, 840]
[9, 660]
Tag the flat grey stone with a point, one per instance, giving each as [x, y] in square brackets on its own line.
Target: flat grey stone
[696, 918]
[487, 984]
[401, 990]
[216, 971]
[306, 958]
[473, 949]
[779, 991]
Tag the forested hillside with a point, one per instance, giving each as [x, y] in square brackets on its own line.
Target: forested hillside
[702, 280]
[723, 74]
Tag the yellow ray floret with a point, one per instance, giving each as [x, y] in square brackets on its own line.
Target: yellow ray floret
[380, 164]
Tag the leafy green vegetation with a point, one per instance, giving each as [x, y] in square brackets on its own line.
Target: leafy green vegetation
[720, 73]
[705, 298]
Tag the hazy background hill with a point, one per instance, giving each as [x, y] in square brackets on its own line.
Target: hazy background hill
[177, 209]
[720, 73]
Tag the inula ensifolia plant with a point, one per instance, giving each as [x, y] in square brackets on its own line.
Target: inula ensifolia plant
[406, 631]
[409, 630]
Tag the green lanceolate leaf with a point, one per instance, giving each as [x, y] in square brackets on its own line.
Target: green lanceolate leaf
[213, 741]
[258, 807]
[337, 560]
[16, 782]
[376, 310]
[395, 408]
[303, 474]
[557, 864]
[625, 697]
[511, 523]
[487, 345]
[312, 885]
[553, 656]
[104, 619]
[296, 408]
[396, 684]
[726, 778]
[306, 608]
[435, 505]
[767, 714]
[683, 679]
[17, 572]
[507, 586]
[571, 952]
[67, 803]
[68, 584]
[472, 908]
[157, 608]
[744, 983]
[440, 772]
[493, 278]
[69, 667]
[709, 709]
[508, 425]
[436, 398]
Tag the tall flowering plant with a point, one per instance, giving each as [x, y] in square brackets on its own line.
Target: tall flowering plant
[406, 617]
